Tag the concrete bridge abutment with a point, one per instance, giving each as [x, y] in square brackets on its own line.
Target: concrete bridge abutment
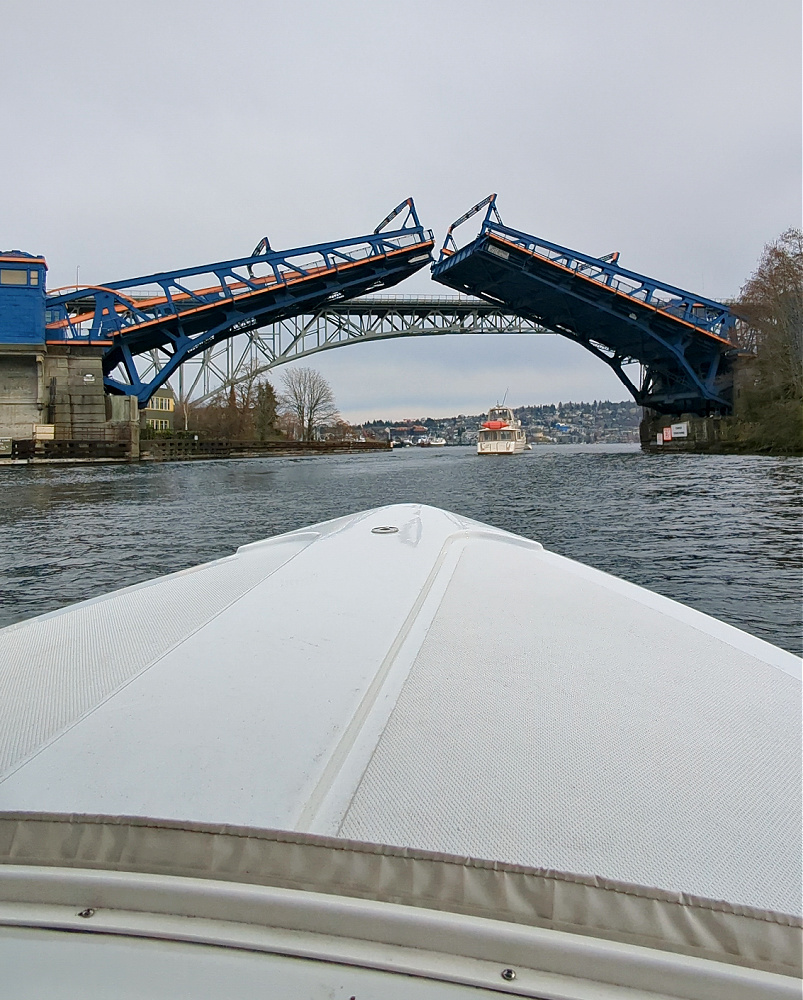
[52, 399]
[53, 404]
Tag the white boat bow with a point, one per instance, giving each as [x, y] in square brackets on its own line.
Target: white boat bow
[398, 753]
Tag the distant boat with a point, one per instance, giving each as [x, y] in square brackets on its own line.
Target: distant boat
[432, 442]
[501, 434]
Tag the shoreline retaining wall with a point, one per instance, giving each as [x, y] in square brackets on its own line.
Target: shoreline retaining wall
[690, 433]
[23, 451]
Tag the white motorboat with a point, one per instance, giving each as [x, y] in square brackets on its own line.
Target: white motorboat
[501, 433]
[233, 782]
[432, 442]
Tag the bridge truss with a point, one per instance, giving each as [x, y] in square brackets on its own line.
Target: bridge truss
[208, 328]
[173, 316]
[359, 320]
[684, 343]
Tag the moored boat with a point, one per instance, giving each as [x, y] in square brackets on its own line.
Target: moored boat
[501, 433]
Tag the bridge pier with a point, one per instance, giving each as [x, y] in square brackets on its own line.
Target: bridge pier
[21, 392]
[52, 399]
[661, 435]
[694, 433]
[53, 405]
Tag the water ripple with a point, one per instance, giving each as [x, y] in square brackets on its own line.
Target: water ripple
[720, 533]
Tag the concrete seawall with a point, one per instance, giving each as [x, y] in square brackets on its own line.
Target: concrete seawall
[182, 449]
[689, 433]
[65, 452]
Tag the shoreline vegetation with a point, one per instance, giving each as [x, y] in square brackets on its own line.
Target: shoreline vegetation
[768, 394]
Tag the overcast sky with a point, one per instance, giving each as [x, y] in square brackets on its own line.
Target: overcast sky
[154, 135]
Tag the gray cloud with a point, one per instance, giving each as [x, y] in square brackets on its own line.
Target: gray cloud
[156, 135]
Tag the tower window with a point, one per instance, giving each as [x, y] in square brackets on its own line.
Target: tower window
[9, 276]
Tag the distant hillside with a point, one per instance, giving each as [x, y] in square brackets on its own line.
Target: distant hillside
[600, 422]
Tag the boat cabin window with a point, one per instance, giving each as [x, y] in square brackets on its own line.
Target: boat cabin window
[507, 436]
[504, 415]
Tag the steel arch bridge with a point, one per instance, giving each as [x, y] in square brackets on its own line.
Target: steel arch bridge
[360, 320]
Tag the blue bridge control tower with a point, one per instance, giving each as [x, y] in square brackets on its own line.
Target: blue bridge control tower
[23, 350]
[22, 298]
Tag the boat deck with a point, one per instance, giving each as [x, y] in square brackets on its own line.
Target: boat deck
[409, 678]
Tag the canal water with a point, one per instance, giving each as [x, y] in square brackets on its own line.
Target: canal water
[720, 533]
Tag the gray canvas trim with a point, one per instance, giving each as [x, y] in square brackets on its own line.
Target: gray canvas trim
[596, 907]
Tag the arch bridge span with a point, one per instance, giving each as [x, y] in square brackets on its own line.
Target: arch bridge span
[360, 320]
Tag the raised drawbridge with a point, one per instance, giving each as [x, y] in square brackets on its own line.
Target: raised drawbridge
[682, 341]
[225, 321]
[175, 315]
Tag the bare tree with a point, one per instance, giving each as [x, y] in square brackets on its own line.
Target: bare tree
[771, 308]
[772, 304]
[308, 397]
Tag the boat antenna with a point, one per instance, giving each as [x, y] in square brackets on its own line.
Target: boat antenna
[505, 396]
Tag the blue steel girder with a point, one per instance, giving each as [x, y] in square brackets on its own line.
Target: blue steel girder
[674, 349]
[183, 312]
[681, 339]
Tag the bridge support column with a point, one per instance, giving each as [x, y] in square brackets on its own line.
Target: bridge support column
[21, 392]
[660, 434]
[76, 406]
[53, 405]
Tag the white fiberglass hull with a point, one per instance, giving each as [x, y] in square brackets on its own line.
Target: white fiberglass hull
[312, 769]
[501, 447]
